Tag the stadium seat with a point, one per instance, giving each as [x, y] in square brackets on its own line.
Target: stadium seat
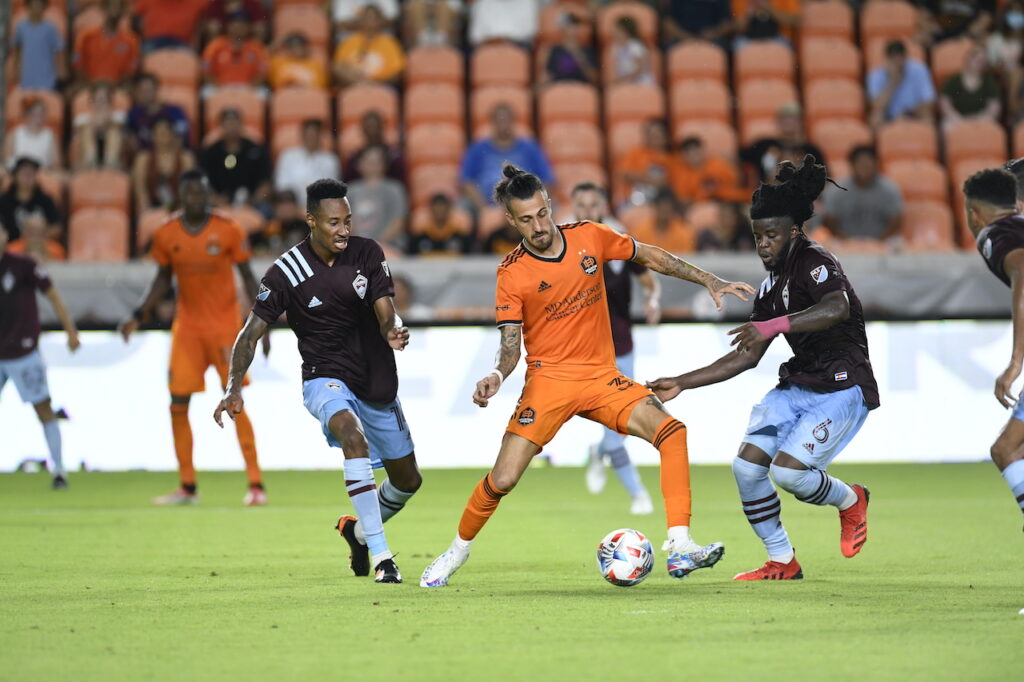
[900, 140]
[568, 175]
[919, 180]
[573, 142]
[173, 67]
[490, 220]
[704, 215]
[434, 103]
[837, 136]
[433, 143]
[762, 127]
[644, 15]
[700, 99]
[948, 58]
[1018, 139]
[719, 138]
[630, 101]
[187, 99]
[482, 102]
[762, 98]
[874, 55]
[15, 109]
[624, 136]
[355, 100]
[761, 59]
[829, 58]
[81, 104]
[434, 64]
[102, 188]
[974, 139]
[247, 101]
[146, 224]
[833, 98]
[568, 102]
[888, 20]
[697, 59]
[247, 217]
[429, 179]
[294, 105]
[928, 226]
[829, 19]
[309, 20]
[551, 17]
[499, 64]
[634, 216]
[98, 235]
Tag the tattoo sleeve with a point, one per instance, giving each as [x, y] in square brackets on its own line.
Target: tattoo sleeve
[243, 351]
[662, 261]
[510, 350]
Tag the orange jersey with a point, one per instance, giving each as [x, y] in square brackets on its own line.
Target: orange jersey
[561, 301]
[203, 265]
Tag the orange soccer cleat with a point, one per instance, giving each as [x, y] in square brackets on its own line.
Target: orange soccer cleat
[773, 570]
[854, 532]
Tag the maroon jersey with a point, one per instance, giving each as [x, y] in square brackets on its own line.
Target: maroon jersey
[996, 241]
[618, 283]
[330, 309]
[829, 360]
[20, 278]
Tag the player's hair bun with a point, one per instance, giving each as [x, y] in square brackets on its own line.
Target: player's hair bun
[511, 172]
[805, 181]
[794, 195]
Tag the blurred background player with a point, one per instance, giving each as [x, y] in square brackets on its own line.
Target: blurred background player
[590, 202]
[825, 390]
[545, 290]
[20, 360]
[992, 215]
[337, 290]
[199, 248]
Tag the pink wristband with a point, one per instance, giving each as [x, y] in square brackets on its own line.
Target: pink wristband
[771, 328]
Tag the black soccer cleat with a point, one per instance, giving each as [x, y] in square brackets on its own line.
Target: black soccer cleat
[360, 554]
[387, 572]
[59, 482]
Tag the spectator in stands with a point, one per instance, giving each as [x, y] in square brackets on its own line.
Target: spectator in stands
[651, 166]
[237, 167]
[406, 303]
[38, 50]
[500, 239]
[631, 59]
[347, 14]
[439, 234]
[570, 59]
[1005, 48]
[432, 22]
[34, 242]
[369, 53]
[99, 132]
[299, 166]
[24, 199]
[665, 227]
[379, 204]
[701, 177]
[791, 145]
[215, 18]
[372, 125]
[109, 51]
[901, 88]
[237, 59]
[483, 160]
[870, 208]
[697, 20]
[972, 94]
[730, 233]
[156, 171]
[168, 23]
[33, 138]
[286, 228]
[514, 20]
[765, 20]
[296, 66]
[942, 19]
[147, 109]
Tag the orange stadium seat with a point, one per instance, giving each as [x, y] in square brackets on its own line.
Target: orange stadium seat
[551, 17]
[762, 98]
[568, 175]
[80, 103]
[829, 19]
[187, 99]
[568, 102]
[247, 217]
[631, 101]
[763, 59]
[829, 58]
[928, 226]
[434, 64]
[919, 180]
[634, 216]
[900, 140]
[55, 12]
[98, 235]
[837, 136]
[973, 139]
[295, 105]
[948, 58]
[874, 55]
[354, 101]
[434, 103]
[429, 179]
[719, 138]
[1018, 139]
[146, 224]
[290, 135]
[700, 99]
[173, 67]
[697, 59]
[888, 20]
[434, 143]
[102, 188]
[833, 98]
[15, 108]
[490, 220]
[624, 136]
[704, 215]
[644, 15]
[499, 64]
[309, 20]
[754, 129]
[54, 183]
[247, 101]
[573, 142]
[482, 102]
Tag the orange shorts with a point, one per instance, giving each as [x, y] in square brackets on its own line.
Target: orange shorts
[192, 353]
[550, 399]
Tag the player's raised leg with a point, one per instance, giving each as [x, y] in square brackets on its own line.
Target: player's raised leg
[1008, 454]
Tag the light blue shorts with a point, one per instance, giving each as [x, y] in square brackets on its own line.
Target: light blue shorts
[29, 376]
[810, 426]
[384, 425]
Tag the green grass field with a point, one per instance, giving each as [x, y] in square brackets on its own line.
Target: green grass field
[95, 584]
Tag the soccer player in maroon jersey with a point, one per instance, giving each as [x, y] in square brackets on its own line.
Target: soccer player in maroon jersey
[20, 360]
[337, 291]
[825, 390]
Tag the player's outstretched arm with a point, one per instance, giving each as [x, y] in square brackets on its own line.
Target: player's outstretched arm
[391, 327]
[833, 308]
[662, 261]
[252, 288]
[508, 358]
[722, 369]
[158, 288]
[242, 354]
[65, 318]
[1013, 265]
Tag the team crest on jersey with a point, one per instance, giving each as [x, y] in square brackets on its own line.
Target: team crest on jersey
[359, 284]
[819, 274]
[8, 282]
[820, 431]
[589, 264]
[527, 416]
[986, 249]
[213, 246]
[785, 296]
[264, 292]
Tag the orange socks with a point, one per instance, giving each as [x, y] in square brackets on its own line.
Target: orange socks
[481, 506]
[670, 439]
[182, 431]
[247, 441]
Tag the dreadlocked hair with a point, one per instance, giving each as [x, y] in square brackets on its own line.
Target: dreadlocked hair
[794, 196]
[516, 184]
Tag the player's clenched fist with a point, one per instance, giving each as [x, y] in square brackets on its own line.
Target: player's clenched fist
[486, 388]
[232, 404]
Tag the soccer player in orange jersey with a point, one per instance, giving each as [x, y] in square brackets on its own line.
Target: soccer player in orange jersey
[551, 297]
[199, 248]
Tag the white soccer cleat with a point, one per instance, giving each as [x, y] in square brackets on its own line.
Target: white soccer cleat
[255, 497]
[685, 559]
[642, 504]
[597, 475]
[443, 567]
[178, 497]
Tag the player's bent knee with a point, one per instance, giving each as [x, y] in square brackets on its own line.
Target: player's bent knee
[409, 483]
[799, 482]
[44, 410]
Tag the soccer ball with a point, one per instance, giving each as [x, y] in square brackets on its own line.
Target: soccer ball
[625, 557]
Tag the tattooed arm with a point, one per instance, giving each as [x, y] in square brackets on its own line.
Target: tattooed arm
[242, 354]
[662, 261]
[508, 358]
